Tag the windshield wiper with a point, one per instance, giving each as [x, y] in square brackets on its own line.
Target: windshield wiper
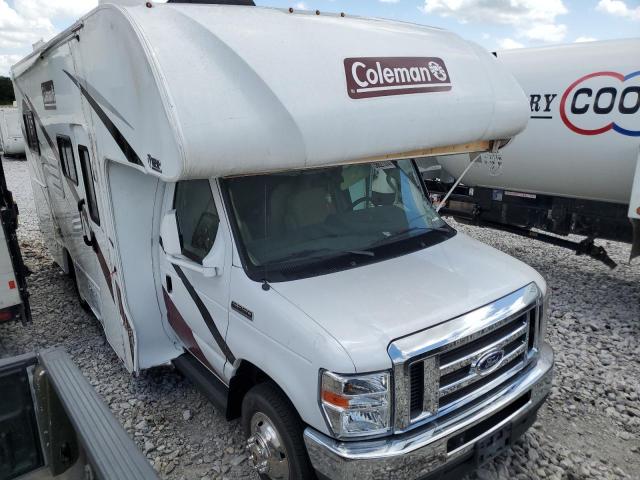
[314, 254]
[404, 232]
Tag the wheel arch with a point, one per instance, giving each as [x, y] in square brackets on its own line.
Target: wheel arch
[247, 376]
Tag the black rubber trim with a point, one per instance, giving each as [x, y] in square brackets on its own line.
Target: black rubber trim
[206, 316]
[122, 142]
[210, 385]
[111, 452]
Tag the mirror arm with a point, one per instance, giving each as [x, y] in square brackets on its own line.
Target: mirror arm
[191, 265]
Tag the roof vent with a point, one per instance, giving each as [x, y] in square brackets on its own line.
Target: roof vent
[246, 3]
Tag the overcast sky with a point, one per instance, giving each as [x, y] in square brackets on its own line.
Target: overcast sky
[495, 24]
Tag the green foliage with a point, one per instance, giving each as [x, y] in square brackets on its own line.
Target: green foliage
[6, 91]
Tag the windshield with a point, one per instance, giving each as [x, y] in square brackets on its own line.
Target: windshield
[304, 223]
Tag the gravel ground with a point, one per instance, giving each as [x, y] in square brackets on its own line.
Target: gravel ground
[589, 428]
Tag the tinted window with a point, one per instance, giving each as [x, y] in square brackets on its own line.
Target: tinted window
[65, 150]
[89, 183]
[306, 222]
[30, 130]
[197, 218]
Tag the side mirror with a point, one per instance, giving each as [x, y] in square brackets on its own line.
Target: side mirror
[169, 234]
[214, 260]
[211, 264]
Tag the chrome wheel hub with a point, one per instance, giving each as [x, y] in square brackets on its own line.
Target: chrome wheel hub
[267, 454]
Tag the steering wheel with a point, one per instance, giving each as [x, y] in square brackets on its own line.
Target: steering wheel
[357, 202]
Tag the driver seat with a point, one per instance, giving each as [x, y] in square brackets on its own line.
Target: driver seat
[307, 205]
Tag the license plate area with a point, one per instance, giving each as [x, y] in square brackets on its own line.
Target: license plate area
[493, 445]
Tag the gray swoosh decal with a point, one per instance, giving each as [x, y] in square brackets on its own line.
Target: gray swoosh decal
[119, 138]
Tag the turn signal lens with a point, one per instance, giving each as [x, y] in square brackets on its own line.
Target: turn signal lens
[335, 399]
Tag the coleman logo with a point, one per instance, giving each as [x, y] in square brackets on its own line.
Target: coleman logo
[378, 77]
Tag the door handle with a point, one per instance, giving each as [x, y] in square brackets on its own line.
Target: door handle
[89, 242]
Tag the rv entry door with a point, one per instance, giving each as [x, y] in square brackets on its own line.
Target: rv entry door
[93, 273]
[87, 233]
[195, 263]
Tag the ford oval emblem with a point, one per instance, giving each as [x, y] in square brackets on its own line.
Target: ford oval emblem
[489, 362]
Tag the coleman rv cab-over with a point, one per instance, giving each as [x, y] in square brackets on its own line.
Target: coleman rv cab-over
[234, 190]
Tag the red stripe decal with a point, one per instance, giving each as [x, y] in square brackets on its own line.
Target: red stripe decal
[125, 320]
[183, 331]
[103, 266]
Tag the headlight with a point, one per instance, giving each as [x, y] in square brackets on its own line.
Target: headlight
[356, 405]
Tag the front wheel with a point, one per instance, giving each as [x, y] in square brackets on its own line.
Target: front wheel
[274, 435]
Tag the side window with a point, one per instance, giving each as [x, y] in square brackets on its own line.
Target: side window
[32, 133]
[89, 183]
[65, 150]
[197, 218]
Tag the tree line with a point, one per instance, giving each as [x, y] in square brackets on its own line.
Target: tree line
[7, 96]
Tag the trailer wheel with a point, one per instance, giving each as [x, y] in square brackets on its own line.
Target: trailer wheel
[274, 435]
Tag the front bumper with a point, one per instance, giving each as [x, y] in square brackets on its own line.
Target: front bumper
[441, 444]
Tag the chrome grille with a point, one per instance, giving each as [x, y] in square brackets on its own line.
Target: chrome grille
[457, 372]
[442, 369]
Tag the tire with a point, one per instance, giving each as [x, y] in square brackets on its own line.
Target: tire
[268, 400]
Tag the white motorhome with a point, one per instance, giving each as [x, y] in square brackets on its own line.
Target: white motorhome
[234, 189]
[576, 167]
[11, 141]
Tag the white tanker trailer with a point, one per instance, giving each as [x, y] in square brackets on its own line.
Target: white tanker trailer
[576, 167]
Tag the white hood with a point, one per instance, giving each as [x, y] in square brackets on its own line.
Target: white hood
[366, 308]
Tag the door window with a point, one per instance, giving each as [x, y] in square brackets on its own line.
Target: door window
[65, 150]
[197, 218]
[89, 183]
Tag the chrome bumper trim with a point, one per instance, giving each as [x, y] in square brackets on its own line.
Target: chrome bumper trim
[419, 452]
[469, 326]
